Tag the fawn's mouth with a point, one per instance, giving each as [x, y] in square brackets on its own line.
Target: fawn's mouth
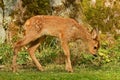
[95, 55]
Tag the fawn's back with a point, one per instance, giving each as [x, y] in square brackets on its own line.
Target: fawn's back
[54, 26]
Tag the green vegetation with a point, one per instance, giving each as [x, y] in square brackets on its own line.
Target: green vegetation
[105, 18]
[103, 67]
[50, 52]
[57, 73]
[36, 7]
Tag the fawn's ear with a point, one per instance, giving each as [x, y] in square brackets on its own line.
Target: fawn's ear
[94, 34]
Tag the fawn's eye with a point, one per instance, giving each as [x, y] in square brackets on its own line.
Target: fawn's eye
[95, 47]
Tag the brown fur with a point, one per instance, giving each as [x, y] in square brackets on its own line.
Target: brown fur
[66, 29]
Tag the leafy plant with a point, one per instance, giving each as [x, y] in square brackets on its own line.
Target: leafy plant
[105, 18]
[5, 53]
[49, 50]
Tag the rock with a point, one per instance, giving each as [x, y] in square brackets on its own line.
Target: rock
[2, 35]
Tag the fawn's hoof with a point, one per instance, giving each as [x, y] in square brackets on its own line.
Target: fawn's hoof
[40, 69]
[69, 69]
[14, 68]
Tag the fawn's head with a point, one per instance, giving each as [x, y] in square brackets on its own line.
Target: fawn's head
[93, 44]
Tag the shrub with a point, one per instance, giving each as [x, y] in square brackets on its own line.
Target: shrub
[49, 50]
[5, 54]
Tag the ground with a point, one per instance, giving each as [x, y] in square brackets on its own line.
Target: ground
[58, 73]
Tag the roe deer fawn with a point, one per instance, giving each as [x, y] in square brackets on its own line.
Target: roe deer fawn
[66, 29]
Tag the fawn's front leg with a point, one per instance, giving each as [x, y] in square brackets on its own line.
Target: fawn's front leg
[64, 44]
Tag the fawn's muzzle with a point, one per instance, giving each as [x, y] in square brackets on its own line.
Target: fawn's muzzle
[95, 55]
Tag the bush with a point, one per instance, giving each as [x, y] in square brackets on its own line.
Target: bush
[49, 50]
[105, 18]
[6, 53]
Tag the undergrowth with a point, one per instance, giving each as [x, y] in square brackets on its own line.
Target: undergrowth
[50, 52]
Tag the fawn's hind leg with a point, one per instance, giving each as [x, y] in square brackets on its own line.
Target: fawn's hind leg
[27, 39]
[34, 45]
[17, 47]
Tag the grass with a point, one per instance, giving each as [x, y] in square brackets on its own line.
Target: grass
[58, 73]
